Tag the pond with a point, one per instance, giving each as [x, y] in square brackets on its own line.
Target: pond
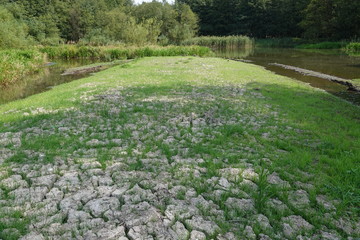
[331, 62]
[49, 77]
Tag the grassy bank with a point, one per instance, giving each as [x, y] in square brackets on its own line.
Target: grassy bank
[109, 53]
[226, 143]
[239, 42]
[15, 64]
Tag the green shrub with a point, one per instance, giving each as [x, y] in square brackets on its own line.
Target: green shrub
[353, 48]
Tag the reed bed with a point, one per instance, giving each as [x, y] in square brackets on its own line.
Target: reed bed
[110, 53]
[15, 64]
[235, 42]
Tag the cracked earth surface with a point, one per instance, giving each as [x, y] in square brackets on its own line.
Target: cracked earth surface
[137, 163]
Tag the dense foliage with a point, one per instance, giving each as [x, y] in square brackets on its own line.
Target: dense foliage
[95, 22]
[103, 22]
[315, 19]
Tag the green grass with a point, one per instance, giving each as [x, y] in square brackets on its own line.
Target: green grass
[308, 130]
[235, 42]
[15, 64]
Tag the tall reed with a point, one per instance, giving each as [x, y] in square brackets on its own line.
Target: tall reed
[236, 42]
[109, 53]
[15, 64]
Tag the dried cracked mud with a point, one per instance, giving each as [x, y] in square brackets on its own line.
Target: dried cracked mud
[137, 163]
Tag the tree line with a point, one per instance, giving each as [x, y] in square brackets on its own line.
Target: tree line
[313, 19]
[98, 22]
[104, 22]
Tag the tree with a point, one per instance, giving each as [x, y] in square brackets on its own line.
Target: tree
[13, 32]
[320, 19]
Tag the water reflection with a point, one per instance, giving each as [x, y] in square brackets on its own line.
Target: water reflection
[49, 77]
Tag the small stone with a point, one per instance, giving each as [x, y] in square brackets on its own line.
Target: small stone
[138, 232]
[249, 233]
[14, 182]
[21, 195]
[250, 174]
[277, 205]
[288, 231]
[263, 222]
[33, 236]
[245, 205]
[329, 236]
[196, 235]
[119, 192]
[223, 182]
[181, 231]
[111, 234]
[297, 224]
[75, 217]
[99, 206]
[276, 180]
[299, 199]
[55, 194]
[198, 223]
[94, 143]
[37, 194]
[264, 237]
[68, 182]
[321, 200]
[46, 181]
[232, 174]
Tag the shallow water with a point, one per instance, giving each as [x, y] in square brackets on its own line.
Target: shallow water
[49, 77]
[331, 62]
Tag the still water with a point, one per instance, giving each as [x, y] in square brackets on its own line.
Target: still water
[49, 77]
[331, 62]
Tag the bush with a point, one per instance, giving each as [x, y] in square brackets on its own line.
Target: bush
[353, 48]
